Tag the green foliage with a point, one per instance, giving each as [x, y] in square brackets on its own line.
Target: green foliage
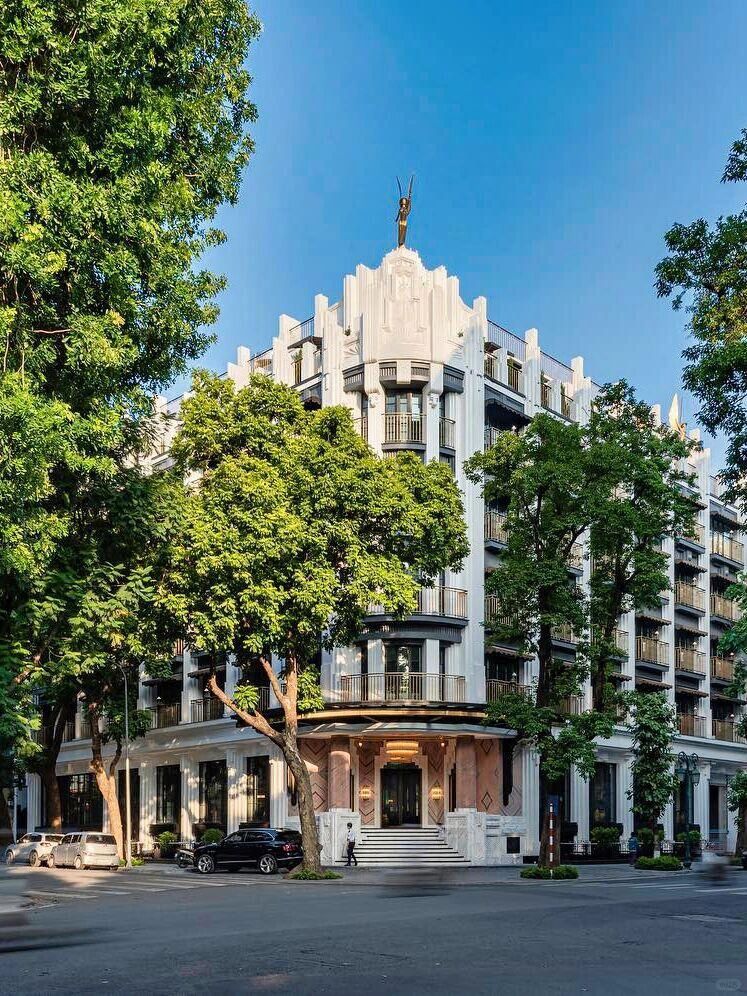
[166, 838]
[737, 798]
[540, 872]
[666, 862]
[604, 835]
[212, 836]
[312, 876]
[706, 270]
[652, 726]
[646, 835]
[692, 835]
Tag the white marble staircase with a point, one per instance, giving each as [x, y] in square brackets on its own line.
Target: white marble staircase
[405, 847]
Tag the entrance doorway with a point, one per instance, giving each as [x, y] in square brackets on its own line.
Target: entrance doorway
[400, 795]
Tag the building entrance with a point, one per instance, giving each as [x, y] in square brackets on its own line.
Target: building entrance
[400, 795]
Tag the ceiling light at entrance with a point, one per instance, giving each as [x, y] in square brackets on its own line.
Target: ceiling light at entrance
[402, 750]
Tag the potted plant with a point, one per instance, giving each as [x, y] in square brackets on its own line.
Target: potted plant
[166, 845]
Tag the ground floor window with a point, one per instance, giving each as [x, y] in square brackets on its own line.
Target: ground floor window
[602, 803]
[134, 801]
[82, 803]
[169, 794]
[213, 793]
[258, 790]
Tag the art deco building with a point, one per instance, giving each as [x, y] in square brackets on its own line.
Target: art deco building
[401, 744]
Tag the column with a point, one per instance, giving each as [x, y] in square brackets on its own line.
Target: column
[33, 801]
[530, 798]
[278, 791]
[147, 802]
[580, 804]
[190, 796]
[701, 808]
[466, 773]
[668, 821]
[624, 803]
[338, 795]
[236, 778]
[432, 416]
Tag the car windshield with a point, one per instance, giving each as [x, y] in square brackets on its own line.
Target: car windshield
[292, 835]
[53, 838]
[100, 838]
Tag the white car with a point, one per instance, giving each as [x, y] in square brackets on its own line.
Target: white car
[85, 850]
[34, 848]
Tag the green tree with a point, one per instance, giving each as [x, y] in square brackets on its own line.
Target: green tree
[706, 271]
[122, 131]
[653, 726]
[293, 528]
[737, 802]
[642, 503]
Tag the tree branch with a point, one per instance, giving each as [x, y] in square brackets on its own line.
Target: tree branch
[257, 721]
[273, 679]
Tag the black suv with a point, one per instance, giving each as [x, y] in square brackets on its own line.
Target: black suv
[265, 849]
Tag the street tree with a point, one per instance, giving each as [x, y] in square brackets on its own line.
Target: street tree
[292, 529]
[122, 131]
[706, 271]
[737, 802]
[653, 725]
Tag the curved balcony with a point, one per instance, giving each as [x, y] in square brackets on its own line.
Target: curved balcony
[437, 601]
[447, 433]
[402, 687]
[403, 428]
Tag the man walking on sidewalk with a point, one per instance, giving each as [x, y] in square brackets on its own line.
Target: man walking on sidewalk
[351, 845]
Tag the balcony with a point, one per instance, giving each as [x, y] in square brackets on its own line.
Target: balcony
[165, 715]
[402, 687]
[689, 595]
[722, 545]
[724, 608]
[494, 616]
[495, 527]
[620, 639]
[576, 556]
[491, 436]
[651, 651]
[546, 395]
[690, 660]
[361, 425]
[567, 407]
[726, 729]
[722, 668]
[695, 535]
[691, 725]
[403, 428]
[564, 633]
[447, 433]
[572, 705]
[496, 689]
[437, 601]
[203, 710]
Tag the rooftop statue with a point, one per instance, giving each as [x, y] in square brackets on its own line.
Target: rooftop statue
[405, 205]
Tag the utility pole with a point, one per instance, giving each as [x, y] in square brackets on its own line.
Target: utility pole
[128, 808]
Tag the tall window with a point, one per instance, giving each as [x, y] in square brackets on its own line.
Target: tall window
[168, 794]
[213, 792]
[403, 402]
[134, 800]
[82, 803]
[258, 790]
[602, 808]
[403, 658]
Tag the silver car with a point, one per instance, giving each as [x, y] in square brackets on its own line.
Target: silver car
[34, 848]
[85, 850]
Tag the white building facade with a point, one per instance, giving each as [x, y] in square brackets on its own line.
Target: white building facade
[402, 741]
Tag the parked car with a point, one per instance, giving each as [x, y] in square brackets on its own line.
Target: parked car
[744, 860]
[85, 850]
[265, 849]
[34, 848]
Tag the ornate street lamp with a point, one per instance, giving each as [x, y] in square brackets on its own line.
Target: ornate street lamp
[687, 771]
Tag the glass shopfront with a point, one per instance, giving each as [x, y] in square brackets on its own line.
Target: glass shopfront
[602, 791]
[258, 791]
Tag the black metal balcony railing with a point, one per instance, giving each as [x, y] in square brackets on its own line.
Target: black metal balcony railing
[403, 428]
[164, 715]
[447, 433]
[696, 534]
[491, 436]
[496, 688]
[438, 601]
[202, 710]
[402, 687]
[691, 725]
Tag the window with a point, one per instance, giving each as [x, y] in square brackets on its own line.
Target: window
[253, 836]
[235, 838]
[213, 792]
[100, 838]
[403, 659]
[602, 809]
[168, 794]
[450, 461]
[403, 402]
[258, 790]
[82, 803]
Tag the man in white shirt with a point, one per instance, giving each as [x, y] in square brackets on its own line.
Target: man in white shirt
[351, 845]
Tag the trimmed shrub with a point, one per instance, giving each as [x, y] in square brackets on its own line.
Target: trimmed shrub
[693, 836]
[212, 836]
[166, 838]
[540, 872]
[667, 862]
[604, 835]
[310, 876]
[646, 835]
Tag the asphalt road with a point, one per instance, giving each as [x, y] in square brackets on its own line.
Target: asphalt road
[632, 933]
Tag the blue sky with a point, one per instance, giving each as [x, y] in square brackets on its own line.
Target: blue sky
[553, 144]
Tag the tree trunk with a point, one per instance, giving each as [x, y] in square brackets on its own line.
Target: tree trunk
[106, 780]
[311, 851]
[48, 774]
[6, 820]
[741, 842]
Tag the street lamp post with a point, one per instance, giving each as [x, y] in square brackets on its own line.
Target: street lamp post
[128, 808]
[687, 769]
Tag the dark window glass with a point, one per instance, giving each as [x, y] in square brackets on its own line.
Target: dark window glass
[82, 803]
[134, 800]
[168, 794]
[403, 658]
[213, 792]
[258, 790]
[99, 838]
[602, 795]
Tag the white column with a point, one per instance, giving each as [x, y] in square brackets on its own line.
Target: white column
[236, 779]
[147, 802]
[701, 808]
[189, 687]
[278, 791]
[231, 674]
[431, 414]
[580, 804]
[624, 804]
[530, 798]
[190, 796]
[668, 821]
[33, 801]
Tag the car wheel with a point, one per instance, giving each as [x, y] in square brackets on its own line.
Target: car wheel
[268, 865]
[9, 857]
[33, 859]
[78, 863]
[50, 860]
[205, 864]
